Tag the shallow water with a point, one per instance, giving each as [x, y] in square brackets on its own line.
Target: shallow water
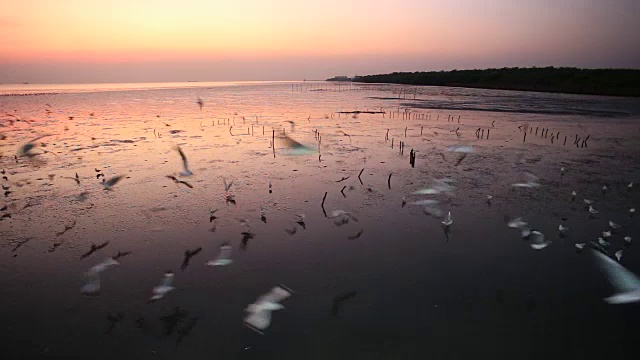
[411, 289]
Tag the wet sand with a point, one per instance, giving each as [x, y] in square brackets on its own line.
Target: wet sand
[414, 291]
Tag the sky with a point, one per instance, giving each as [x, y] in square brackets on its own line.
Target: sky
[87, 41]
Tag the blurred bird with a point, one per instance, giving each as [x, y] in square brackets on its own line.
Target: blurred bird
[614, 225]
[109, 184]
[163, 288]
[92, 287]
[224, 257]
[447, 220]
[185, 163]
[537, 240]
[259, 317]
[626, 284]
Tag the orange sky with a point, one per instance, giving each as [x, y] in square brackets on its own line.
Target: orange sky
[313, 39]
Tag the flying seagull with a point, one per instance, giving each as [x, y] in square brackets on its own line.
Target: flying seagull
[224, 257]
[25, 149]
[188, 254]
[259, 313]
[109, 184]
[516, 223]
[178, 181]
[185, 163]
[626, 283]
[530, 182]
[447, 220]
[537, 240]
[163, 288]
[92, 287]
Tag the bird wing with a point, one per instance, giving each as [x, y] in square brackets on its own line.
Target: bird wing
[258, 319]
[622, 279]
[276, 295]
[103, 265]
[92, 287]
[289, 142]
[185, 163]
[114, 180]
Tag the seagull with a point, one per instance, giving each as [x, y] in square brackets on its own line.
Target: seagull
[259, 317]
[603, 242]
[627, 239]
[200, 103]
[447, 220]
[489, 198]
[92, 287]
[561, 171]
[618, 255]
[632, 211]
[342, 217]
[517, 223]
[300, 221]
[263, 214]
[580, 246]
[93, 248]
[25, 149]
[593, 210]
[109, 184]
[624, 281]
[212, 216]
[188, 254]
[461, 149]
[573, 195]
[404, 201]
[427, 202]
[227, 186]
[614, 225]
[164, 287]
[531, 181]
[185, 163]
[439, 185]
[537, 240]
[630, 186]
[356, 235]
[224, 257]
[294, 147]
[604, 189]
[588, 202]
[606, 234]
[178, 181]
[562, 229]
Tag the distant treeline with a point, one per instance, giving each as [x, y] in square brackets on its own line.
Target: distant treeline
[617, 82]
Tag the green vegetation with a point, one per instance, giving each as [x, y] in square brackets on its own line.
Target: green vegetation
[617, 82]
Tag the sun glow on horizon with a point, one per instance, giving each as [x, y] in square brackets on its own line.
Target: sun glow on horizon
[382, 33]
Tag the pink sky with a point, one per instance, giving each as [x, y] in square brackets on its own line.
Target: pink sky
[159, 40]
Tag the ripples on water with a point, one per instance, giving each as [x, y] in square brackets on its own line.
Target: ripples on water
[404, 285]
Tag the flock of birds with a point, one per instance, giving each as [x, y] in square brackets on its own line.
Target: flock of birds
[258, 314]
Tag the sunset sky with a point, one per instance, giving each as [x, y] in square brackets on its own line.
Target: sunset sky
[69, 41]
